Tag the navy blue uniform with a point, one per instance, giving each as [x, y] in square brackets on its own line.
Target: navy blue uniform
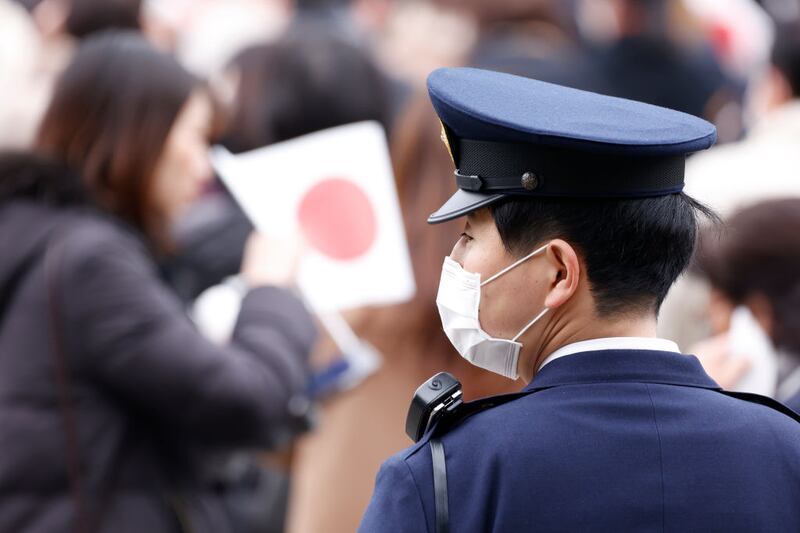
[616, 440]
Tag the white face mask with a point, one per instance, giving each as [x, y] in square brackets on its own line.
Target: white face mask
[458, 301]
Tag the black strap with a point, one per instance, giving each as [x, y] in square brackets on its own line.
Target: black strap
[525, 169]
[14, 283]
[437, 450]
[82, 521]
[465, 410]
[440, 486]
[86, 519]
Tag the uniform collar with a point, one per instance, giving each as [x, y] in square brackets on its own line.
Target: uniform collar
[623, 365]
[613, 343]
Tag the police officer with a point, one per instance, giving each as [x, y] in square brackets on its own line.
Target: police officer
[576, 227]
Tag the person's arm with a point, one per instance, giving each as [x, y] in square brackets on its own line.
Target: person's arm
[396, 504]
[129, 334]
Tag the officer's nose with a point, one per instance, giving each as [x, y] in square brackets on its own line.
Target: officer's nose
[458, 251]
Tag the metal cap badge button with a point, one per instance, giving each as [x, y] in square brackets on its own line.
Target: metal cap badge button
[529, 181]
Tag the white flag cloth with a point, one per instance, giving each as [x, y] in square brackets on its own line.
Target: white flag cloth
[337, 188]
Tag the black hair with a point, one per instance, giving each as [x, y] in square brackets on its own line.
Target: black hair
[633, 249]
[786, 54]
[321, 4]
[109, 118]
[88, 17]
[309, 80]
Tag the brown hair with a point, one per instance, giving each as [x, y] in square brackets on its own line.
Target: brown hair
[109, 119]
[90, 16]
[758, 253]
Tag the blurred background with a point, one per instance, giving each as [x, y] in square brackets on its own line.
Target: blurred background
[280, 69]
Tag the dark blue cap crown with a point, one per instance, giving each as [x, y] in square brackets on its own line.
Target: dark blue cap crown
[510, 135]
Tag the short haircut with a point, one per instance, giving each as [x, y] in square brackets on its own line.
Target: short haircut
[633, 249]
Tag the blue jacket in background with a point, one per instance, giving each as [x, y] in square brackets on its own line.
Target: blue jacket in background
[608, 441]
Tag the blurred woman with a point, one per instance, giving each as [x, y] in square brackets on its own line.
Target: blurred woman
[111, 400]
[753, 267]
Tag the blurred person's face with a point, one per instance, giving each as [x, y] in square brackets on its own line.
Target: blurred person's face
[598, 20]
[184, 168]
[441, 37]
[770, 91]
[51, 17]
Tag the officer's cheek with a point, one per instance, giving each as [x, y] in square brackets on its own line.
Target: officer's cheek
[483, 257]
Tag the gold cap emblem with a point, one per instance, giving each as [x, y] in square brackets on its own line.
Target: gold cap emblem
[446, 142]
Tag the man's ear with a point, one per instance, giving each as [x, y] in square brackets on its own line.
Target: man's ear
[567, 272]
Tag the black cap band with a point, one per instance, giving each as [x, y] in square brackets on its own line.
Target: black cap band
[526, 169]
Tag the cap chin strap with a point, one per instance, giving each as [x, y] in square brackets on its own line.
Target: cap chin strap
[538, 170]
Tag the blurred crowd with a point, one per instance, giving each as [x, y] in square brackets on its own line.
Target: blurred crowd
[118, 414]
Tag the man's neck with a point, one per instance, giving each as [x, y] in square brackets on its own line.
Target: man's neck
[597, 328]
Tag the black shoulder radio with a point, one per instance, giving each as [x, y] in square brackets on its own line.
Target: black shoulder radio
[438, 396]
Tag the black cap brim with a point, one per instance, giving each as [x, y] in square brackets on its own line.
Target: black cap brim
[462, 203]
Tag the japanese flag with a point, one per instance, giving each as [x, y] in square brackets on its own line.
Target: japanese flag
[336, 187]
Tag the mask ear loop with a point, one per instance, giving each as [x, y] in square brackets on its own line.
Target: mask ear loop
[514, 264]
[530, 324]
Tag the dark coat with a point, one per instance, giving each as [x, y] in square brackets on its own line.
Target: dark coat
[609, 441]
[150, 397]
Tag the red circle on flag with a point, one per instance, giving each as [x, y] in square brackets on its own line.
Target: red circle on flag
[337, 218]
